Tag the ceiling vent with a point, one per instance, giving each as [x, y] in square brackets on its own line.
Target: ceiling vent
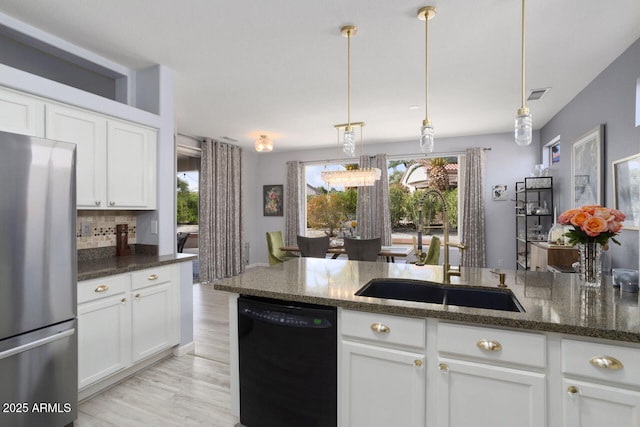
[536, 94]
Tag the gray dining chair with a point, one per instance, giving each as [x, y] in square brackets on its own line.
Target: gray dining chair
[362, 249]
[313, 247]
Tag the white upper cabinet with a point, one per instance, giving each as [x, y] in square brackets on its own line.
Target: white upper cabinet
[22, 114]
[131, 166]
[89, 132]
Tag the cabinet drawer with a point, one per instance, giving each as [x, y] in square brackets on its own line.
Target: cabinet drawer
[150, 276]
[90, 290]
[577, 359]
[384, 328]
[489, 344]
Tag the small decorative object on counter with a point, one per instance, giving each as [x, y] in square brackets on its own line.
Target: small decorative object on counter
[556, 233]
[591, 228]
[122, 240]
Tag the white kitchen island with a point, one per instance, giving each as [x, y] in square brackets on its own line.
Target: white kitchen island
[571, 359]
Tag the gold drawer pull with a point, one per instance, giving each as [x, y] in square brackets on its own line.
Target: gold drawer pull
[443, 367]
[102, 288]
[418, 363]
[489, 345]
[152, 277]
[573, 391]
[380, 327]
[606, 362]
[123, 301]
[137, 296]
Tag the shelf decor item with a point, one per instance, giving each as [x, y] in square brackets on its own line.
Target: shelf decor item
[592, 227]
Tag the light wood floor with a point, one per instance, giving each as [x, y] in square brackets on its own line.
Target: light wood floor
[192, 390]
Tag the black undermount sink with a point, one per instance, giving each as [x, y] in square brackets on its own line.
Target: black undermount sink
[436, 293]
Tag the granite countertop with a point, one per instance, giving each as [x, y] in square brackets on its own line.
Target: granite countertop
[95, 268]
[554, 302]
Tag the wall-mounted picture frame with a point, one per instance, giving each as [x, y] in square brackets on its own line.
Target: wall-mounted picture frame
[272, 200]
[499, 192]
[586, 168]
[626, 189]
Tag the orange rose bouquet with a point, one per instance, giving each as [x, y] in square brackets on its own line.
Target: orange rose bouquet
[592, 223]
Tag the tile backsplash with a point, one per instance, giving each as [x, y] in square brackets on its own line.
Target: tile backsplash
[103, 228]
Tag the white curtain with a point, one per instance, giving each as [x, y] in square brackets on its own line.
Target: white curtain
[221, 239]
[473, 220]
[293, 202]
[372, 214]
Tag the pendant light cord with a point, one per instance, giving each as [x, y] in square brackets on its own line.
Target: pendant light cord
[426, 67]
[349, 80]
[523, 59]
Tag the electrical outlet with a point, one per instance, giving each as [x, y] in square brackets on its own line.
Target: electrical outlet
[86, 229]
[154, 227]
[500, 262]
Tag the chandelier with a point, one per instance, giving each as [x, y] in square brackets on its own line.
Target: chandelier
[264, 144]
[364, 177]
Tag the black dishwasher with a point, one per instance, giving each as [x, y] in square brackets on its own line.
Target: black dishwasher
[288, 363]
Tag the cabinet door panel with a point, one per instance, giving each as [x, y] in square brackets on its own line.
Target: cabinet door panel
[595, 405]
[131, 166]
[104, 338]
[21, 114]
[153, 320]
[89, 132]
[381, 387]
[471, 394]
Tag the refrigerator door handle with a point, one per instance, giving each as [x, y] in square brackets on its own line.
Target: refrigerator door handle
[25, 347]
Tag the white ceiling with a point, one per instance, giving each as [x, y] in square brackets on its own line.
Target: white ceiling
[278, 67]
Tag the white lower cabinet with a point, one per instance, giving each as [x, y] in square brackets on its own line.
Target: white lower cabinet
[472, 394]
[120, 325]
[382, 378]
[382, 386]
[601, 385]
[490, 377]
[104, 328]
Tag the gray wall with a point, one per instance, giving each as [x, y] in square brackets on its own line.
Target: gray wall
[610, 99]
[506, 164]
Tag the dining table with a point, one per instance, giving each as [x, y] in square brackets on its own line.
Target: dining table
[388, 252]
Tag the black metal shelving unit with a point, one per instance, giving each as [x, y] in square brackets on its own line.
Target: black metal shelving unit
[534, 216]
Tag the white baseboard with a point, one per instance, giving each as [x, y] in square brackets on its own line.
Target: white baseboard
[188, 348]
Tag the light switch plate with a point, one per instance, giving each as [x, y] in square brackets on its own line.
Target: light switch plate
[86, 229]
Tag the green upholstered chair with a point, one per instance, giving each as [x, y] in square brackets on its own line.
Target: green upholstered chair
[433, 254]
[274, 243]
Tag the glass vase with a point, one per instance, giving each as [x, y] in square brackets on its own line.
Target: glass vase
[590, 264]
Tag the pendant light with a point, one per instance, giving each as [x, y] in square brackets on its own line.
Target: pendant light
[264, 144]
[426, 131]
[352, 177]
[523, 123]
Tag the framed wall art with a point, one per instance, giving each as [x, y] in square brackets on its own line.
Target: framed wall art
[272, 200]
[626, 189]
[586, 168]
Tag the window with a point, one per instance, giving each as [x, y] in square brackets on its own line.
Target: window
[408, 181]
[329, 211]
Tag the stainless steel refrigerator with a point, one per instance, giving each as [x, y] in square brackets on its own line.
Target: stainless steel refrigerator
[38, 339]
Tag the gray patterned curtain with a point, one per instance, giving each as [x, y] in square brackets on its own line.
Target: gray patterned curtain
[473, 221]
[372, 214]
[221, 239]
[292, 203]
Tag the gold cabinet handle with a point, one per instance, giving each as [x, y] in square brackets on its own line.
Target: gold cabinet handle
[573, 391]
[137, 296]
[102, 288]
[98, 202]
[112, 203]
[443, 367]
[380, 327]
[606, 362]
[418, 363]
[152, 277]
[489, 345]
[123, 300]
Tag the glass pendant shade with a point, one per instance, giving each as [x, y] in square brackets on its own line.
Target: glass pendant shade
[264, 144]
[426, 138]
[523, 129]
[366, 177]
[349, 142]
